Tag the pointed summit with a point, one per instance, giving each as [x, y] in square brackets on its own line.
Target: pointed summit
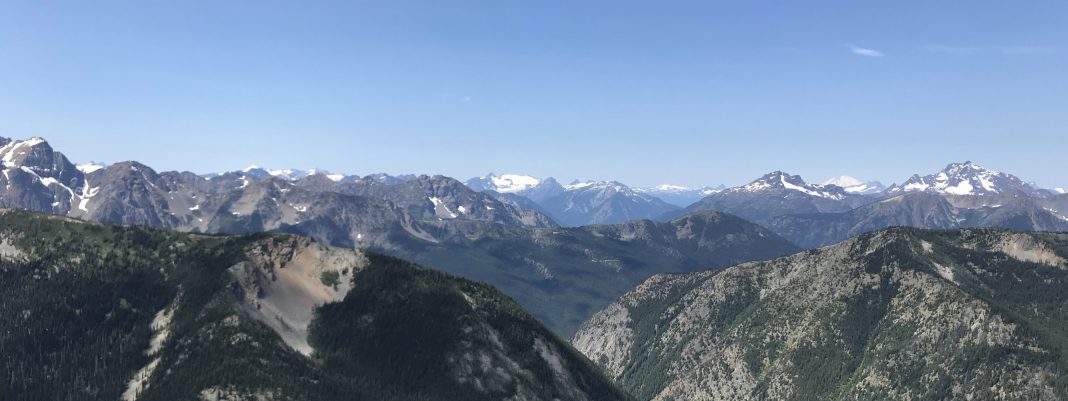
[778, 180]
[965, 178]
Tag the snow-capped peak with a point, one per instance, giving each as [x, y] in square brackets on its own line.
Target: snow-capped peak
[512, 183]
[1060, 190]
[15, 150]
[781, 180]
[579, 185]
[775, 179]
[964, 179]
[855, 186]
[289, 174]
[327, 174]
[671, 188]
[599, 185]
[843, 181]
[504, 183]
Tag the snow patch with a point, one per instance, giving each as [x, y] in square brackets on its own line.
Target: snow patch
[90, 167]
[962, 188]
[441, 209]
[87, 193]
[579, 185]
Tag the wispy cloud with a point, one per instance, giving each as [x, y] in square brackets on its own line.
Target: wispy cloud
[979, 50]
[861, 51]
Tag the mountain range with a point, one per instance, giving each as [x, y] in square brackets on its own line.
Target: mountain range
[265, 284]
[561, 275]
[961, 195]
[580, 202]
[679, 195]
[488, 228]
[787, 204]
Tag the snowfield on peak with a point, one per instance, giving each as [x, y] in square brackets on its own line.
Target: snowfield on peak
[579, 185]
[843, 181]
[855, 186]
[90, 167]
[965, 179]
[289, 174]
[781, 180]
[8, 152]
[512, 183]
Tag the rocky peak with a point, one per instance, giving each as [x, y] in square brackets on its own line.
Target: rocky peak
[778, 180]
[31, 152]
[134, 170]
[317, 182]
[36, 157]
[965, 178]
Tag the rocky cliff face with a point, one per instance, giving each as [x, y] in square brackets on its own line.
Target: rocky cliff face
[36, 177]
[899, 314]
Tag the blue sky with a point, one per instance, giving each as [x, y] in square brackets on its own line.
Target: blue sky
[644, 92]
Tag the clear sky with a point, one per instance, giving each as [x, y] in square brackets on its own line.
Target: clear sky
[678, 92]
